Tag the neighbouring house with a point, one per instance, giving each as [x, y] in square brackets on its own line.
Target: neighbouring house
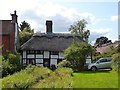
[9, 34]
[107, 47]
[46, 49]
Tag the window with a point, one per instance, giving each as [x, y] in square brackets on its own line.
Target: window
[24, 61]
[39, 52]
[34, 52]
[103, 60]
[54, 52]
[30, 52]
[31, 61]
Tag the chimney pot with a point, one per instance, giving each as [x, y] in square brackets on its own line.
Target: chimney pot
[14, 17]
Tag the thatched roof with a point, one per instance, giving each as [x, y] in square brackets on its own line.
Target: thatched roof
[50, 41]
[107, 47]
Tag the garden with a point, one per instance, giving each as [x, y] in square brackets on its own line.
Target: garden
[41, 77]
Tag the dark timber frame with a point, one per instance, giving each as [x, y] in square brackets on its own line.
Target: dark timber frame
[46, 61]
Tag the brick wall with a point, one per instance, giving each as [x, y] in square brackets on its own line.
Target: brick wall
[7, 36]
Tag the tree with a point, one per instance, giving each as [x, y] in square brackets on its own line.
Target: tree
[79, 28]
[23, 25]
[76, 54]
[102, 40]
[26, 32]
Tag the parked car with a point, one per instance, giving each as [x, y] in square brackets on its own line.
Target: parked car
[102, 63]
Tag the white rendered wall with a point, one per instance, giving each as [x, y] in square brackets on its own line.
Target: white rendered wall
[39, 60]
[39, 56]
[88, 59]
[46, 54]
[61, 55]
[24, 54]
[53, 61]
[39, 65]
[54, 56]
[30, 56]
[24, 61]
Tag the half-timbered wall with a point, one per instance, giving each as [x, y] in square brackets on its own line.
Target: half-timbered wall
[39, 58]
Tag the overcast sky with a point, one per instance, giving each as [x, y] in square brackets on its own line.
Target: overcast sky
[101, 15]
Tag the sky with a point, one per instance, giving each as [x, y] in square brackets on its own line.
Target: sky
[101, 15]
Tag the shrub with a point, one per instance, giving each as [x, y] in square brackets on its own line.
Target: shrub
[64, 70]
[11, 64]
[76, 54]
[61, 78]
[25, 78]
[64, 63]
[116, 61]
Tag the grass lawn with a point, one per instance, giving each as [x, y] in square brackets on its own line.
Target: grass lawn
[99, 79]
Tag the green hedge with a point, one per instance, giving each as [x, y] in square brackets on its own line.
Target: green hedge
[25, 78]
[60, 78]
[64, 70]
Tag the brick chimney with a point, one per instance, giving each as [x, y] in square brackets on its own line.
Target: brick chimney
[49, 26]
[14, 17]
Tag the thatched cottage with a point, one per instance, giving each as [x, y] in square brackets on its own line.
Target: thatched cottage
[45, 49]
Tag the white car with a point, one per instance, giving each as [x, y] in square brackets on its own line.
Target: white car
[102, 63]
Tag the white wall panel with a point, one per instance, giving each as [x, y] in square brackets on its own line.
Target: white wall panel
[39, 65]
[54, 56]
[46, 54]
[24, 54]
[61, 55]
[24, 61]
[53, 61]
[30, 56]
[88, 60]
[39, 56]
[39, 60]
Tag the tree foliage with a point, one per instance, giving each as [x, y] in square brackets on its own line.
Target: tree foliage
[24, 24]
[26, 32]
[102, 40]
[76, 54]
[79, 28]
[11, 63]
[116, 61]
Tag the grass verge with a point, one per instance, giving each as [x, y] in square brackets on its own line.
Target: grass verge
[98, 79]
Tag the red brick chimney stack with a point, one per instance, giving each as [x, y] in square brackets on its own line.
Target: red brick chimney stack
[14, 17]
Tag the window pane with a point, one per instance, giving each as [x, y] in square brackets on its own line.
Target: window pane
[54, 52]
[39, 52]
[30, 52]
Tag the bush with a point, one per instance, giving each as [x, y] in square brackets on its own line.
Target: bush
[64, 63]
[64, 70]
[116, 61]
[11, 64]
[76, 54]
[61, 78]
[25, 78]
